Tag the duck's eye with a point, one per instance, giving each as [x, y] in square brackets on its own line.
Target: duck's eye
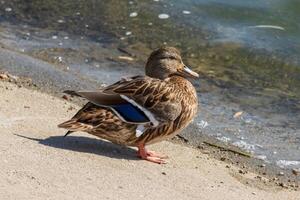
[169, 57]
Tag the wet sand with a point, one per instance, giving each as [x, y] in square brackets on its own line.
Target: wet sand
[38, 163]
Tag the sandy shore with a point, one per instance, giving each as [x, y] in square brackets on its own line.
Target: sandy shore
[38, 163]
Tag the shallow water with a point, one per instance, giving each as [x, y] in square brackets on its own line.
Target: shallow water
[246, 52]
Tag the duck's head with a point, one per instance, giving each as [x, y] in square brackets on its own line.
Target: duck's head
[165, 62]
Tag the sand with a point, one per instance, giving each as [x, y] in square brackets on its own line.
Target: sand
[38, 163]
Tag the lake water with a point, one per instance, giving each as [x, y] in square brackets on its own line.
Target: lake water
[247, 53]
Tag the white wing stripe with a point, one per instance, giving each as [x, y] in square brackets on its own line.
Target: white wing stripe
[147, 112]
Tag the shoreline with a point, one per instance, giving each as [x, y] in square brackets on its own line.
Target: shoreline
[38, 161]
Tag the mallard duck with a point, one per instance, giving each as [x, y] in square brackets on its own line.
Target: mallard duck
[141, 110]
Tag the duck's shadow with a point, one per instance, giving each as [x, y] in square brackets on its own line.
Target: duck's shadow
[87, 145]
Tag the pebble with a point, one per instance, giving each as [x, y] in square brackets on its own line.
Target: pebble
[59, 58]
[282, 185]
[3, 76]
[262, 165]
[186, 12]
[163, 16]
[60, 21]
[71, 108]
[65, 97]
[205, 152]
[265, 180]
[296, 171]
[133, 14]
[8, 9]
[127, 58]
[281, 174]
[14, 78]
[237, 114]
[261, 157]
[227, 58]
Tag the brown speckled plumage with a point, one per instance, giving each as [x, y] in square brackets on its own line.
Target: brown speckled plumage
[165, 92]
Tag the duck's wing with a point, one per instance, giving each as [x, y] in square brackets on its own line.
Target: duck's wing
[139, 100]
[159, 97]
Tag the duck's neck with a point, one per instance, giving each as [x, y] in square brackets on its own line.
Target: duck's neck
[177, 78]
[184, 85]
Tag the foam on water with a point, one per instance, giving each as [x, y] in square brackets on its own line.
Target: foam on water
[288, 163]
[244, 145]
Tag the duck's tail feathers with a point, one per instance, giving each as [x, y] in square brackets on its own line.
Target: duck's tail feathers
[73, 125]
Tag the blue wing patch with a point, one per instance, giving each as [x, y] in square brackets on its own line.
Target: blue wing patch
[131, 113]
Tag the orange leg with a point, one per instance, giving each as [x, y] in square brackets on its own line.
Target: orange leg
[151, 155]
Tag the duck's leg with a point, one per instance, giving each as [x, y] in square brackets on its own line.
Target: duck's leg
[150, 155]
[155, 154]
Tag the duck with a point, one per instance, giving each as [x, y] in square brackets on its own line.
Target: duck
[141, 110]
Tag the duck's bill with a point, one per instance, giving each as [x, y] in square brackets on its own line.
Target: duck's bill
[189, 73]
